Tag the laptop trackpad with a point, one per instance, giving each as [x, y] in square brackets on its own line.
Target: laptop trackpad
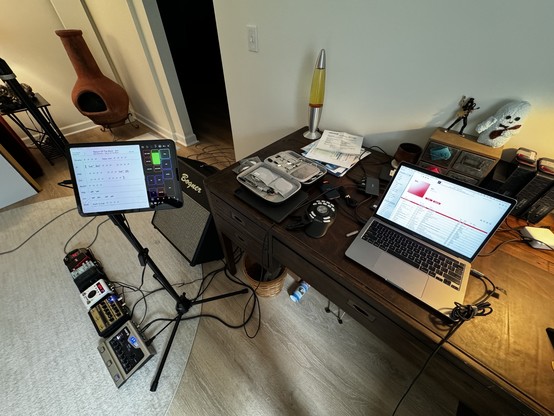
[403, 275]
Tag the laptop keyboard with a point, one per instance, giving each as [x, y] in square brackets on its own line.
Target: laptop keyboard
[432, 262]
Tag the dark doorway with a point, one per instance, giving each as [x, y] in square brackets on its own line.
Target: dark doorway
[191, 32]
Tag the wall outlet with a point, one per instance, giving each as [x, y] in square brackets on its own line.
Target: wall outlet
[252, 31]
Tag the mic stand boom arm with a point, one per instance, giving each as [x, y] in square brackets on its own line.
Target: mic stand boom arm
[182, 303]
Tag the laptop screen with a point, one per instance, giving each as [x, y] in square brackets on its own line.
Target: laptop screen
[455, 216]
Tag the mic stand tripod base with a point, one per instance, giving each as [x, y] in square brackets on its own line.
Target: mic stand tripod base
[182, 303]
[182, 308]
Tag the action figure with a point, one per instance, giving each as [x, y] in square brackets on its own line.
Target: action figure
[466, 107]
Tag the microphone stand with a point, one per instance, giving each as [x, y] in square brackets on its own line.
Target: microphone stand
[182, 303]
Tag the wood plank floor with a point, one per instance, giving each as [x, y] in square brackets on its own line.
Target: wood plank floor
[302, 361]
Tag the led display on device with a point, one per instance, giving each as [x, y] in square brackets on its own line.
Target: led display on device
[120, 177]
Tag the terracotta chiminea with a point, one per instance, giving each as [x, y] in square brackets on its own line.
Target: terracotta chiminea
[96, 96]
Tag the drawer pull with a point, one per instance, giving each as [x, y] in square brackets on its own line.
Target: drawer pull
[237, 219]
[362, 311]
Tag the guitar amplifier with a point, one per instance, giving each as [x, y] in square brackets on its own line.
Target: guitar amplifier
[191, 229]
[535, 188]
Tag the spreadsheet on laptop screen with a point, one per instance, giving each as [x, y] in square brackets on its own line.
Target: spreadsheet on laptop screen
[454, 216]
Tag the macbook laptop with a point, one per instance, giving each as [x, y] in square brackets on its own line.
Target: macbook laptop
[426, 231]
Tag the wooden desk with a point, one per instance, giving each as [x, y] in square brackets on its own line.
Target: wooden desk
[500, 364]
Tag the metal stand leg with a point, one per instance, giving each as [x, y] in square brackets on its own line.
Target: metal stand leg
[339, 313]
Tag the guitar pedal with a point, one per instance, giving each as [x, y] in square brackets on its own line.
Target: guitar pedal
[96, 292]
[124, 353]
[108, 315]
[84, 268]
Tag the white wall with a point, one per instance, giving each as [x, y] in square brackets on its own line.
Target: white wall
[395, 69]
[36, 55]
[125, 30]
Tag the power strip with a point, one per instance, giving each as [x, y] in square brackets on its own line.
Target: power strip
[541, 238]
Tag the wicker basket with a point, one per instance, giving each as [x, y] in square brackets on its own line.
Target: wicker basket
[252, 271]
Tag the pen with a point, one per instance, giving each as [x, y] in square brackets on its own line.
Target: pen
[350, 234]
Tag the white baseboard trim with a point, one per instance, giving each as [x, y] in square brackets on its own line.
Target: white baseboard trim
[69, 130]
[184, 140]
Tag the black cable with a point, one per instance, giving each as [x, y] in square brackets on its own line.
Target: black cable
[36, 232]
[186, 318]
[208, 278]
[255, 305]
[460, 314]
[153, 337]
[515, 240]
[68, 183]
[81, 229]
[451, 332]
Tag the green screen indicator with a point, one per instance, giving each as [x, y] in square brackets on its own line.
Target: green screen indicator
[155, 157]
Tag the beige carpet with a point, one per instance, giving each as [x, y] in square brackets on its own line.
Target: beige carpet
[50, 364]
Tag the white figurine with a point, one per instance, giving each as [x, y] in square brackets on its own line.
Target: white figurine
[497, 130]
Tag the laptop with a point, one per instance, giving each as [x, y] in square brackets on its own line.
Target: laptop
[426, 231]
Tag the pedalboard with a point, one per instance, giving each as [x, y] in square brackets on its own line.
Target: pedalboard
[108, 315]
[122, 347]
[124, 353]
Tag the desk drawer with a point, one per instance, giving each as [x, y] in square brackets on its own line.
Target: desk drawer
[229, 214]
[342, 297]
[248, 242]
[244, 232]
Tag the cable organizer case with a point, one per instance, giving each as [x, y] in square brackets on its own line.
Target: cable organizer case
[269, 182]
[305, 170]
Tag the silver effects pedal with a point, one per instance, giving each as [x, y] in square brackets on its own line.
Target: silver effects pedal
[124, 353]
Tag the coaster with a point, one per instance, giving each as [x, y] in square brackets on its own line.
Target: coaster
[275, 212]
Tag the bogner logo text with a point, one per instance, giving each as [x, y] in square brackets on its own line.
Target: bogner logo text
[190, 184]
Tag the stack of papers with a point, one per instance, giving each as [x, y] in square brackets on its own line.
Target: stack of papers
[338, 151]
